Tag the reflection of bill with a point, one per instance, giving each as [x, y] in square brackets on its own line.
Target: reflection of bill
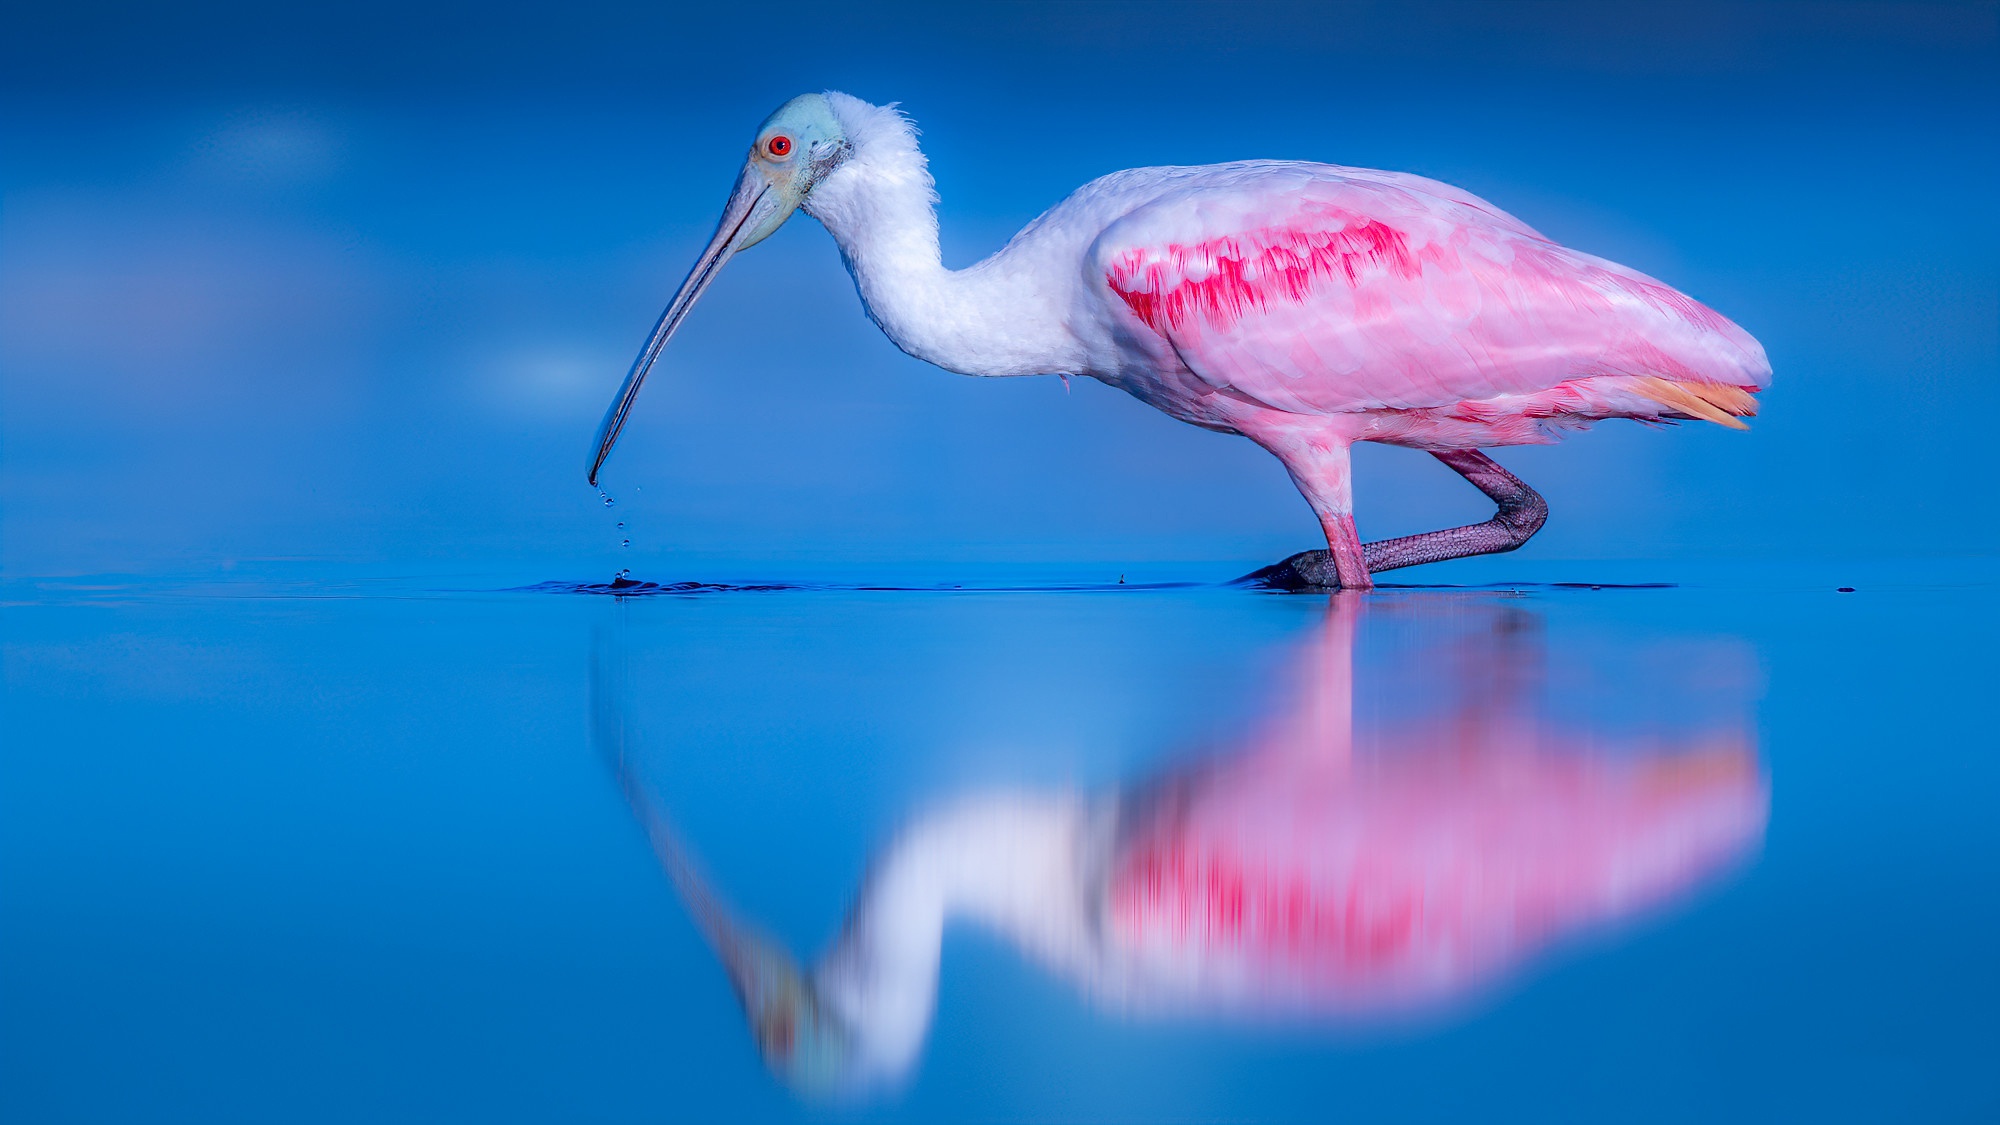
[1318, 869]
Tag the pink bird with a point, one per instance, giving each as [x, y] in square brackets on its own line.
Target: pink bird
[1304, 306]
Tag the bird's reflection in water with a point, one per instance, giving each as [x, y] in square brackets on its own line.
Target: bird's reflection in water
[1318, 869]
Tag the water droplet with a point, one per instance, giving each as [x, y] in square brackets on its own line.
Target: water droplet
[625, 573]
[621, 525]
[624, 542]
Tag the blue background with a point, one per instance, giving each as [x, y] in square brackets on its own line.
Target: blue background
[352, 284]
[307, 317]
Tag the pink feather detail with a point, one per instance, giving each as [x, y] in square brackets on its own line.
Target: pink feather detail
[1446, 323]
[1220, 278]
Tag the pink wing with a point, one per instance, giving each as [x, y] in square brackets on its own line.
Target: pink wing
[1318, 289]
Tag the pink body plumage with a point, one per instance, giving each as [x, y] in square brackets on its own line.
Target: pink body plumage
[1398, 309]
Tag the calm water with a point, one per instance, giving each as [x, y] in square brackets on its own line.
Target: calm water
[380, 850]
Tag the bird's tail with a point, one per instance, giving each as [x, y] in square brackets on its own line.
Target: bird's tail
[1711, 402]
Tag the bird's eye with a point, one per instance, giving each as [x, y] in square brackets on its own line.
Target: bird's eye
[778, 146]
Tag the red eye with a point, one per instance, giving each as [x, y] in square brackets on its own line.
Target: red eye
[778, 146]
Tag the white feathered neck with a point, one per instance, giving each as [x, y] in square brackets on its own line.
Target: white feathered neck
[880, 205]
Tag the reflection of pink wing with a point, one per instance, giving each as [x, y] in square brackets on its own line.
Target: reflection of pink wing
[1415, 877]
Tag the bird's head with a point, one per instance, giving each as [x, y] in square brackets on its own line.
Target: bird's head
[793, 150]
[805, 1045]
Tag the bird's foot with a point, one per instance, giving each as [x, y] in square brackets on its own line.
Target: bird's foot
[1307, 570]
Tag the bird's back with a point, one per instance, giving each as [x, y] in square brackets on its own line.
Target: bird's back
[1314, 288]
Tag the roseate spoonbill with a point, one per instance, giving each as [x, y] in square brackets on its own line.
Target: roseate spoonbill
[1317, 869]
[1304, 306]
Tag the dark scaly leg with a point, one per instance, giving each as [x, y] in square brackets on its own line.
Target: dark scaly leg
[1522, 513]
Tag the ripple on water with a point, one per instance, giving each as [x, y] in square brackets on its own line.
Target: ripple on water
[623, 587]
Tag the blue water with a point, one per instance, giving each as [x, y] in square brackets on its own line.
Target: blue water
[305, 850]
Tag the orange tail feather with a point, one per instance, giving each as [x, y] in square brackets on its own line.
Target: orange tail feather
[1710, 402]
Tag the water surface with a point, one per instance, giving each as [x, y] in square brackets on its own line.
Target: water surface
[323, 851]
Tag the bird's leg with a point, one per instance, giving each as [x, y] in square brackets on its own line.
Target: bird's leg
[1522, 513]
[1350, 564]
[1321, 467]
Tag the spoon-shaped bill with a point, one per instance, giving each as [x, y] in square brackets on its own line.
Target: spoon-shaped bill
[749, 205]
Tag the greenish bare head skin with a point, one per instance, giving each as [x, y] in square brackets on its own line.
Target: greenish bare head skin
[802, 1043]
[795, 147]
